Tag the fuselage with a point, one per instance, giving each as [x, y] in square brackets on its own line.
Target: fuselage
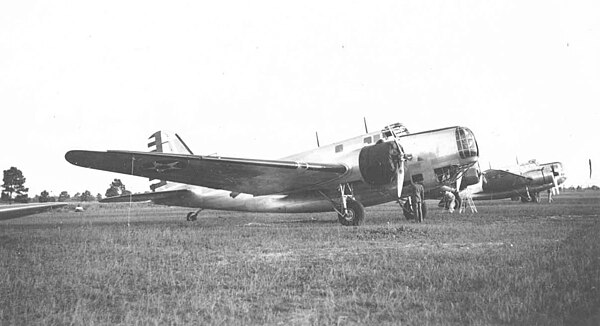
[439, 157]
[524, 181]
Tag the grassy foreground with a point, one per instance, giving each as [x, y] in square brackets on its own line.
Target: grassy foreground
[513, 263]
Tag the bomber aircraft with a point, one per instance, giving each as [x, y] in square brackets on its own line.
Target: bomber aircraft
[524, 183]
[345, 176]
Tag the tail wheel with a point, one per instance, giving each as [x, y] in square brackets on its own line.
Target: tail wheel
[355, 215]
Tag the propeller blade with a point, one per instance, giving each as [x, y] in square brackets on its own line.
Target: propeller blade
[400, 178]
[400, 163]
[555, 190]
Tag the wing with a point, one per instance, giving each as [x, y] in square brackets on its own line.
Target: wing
[257, 177]
[500, 174]
[499, 180]
[14, 211]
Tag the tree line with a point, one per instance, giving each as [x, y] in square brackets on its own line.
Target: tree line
[14, 190]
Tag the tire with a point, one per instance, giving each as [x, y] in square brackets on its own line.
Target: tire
[355, 216]
[191, 216]
[525, 200]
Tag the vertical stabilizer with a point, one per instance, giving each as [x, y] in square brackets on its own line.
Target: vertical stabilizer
[166, 142]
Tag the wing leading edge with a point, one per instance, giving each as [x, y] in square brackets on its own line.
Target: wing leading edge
[256, 177]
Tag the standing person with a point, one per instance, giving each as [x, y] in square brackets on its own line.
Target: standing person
[549, 196]
[417, 197]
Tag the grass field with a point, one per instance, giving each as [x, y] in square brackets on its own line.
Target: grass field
[511, 264]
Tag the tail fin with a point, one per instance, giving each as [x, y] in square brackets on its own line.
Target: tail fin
[166, 142]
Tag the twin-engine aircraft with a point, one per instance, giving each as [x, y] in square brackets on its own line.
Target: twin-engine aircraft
[524, 183]
[344, 177]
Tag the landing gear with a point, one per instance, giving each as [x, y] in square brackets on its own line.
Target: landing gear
[192, 216]
[354, 215]
[409, 214]
[350, 211]
[533, 198]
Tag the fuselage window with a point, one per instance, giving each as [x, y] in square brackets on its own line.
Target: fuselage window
[376, 137]
[445, 173]
[367, 140]
[417, 177]
[339, 148]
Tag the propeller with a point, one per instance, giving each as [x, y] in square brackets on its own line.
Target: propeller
[555, 190]
[401, 158]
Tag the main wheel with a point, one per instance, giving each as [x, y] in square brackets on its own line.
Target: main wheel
[355, 216]
[192, 216]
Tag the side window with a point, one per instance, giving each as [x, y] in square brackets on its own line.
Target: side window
[417, 177]
[339, 148]
[367, 140]
[444, 173]
[376, 138]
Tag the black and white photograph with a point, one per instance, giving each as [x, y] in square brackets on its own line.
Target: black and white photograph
[300, 162]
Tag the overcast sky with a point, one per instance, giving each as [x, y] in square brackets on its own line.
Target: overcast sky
[257, 78]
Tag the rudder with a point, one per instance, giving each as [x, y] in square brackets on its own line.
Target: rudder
[166, 142]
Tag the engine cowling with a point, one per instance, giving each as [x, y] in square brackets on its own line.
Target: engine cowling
[378, 163]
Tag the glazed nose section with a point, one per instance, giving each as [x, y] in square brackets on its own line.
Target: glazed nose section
[467, 145]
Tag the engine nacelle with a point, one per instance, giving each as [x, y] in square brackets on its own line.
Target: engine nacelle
[378, 163]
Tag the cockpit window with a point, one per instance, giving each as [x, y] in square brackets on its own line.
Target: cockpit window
[467, 147]
[397, 129]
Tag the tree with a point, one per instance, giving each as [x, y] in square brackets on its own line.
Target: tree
[77, 197]
[98, 197]
[87, 196]
[44, 197]
[64, 196]
[117, 188]
[14, 183]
